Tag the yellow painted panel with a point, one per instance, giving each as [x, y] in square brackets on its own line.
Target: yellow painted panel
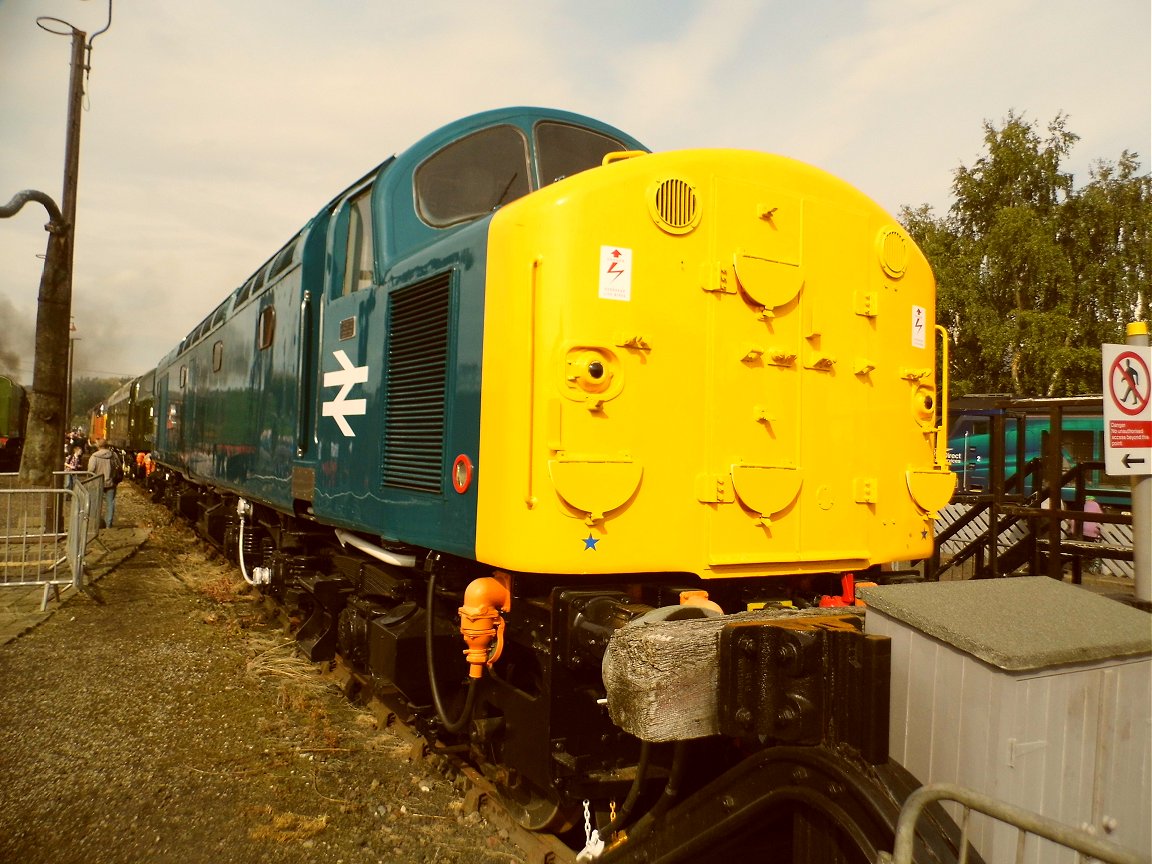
[769, 283]
[594, 487]
[678, 362]
[765, 489]
[931, 489]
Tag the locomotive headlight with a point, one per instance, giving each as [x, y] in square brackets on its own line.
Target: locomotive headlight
[591, 371]
[592, 375]
[924, 405]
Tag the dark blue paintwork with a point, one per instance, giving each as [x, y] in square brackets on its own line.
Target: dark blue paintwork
[252, 419]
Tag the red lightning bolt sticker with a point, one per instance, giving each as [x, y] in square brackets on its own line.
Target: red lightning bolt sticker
[615, 273]
[919, 326]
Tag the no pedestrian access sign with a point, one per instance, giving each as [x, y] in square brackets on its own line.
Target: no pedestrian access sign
[1127, 409]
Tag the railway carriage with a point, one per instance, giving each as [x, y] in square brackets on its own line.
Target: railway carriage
[527, 387]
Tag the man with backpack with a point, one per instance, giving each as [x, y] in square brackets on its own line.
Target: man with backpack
[107, 464]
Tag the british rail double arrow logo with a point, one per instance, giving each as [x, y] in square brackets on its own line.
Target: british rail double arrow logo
[341, 407]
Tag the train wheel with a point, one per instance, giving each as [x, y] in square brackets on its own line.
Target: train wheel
[536, 809]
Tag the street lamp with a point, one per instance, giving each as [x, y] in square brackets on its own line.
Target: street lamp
[72, 340]
[47, 416]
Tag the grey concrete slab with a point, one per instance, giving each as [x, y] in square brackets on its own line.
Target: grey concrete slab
[1021, 623]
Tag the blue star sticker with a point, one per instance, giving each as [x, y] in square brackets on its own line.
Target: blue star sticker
[590, 542]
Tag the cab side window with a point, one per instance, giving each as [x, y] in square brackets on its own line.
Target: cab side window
[266, 327]
[358, 255]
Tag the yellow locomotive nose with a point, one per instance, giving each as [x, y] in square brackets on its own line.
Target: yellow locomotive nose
[728, 371]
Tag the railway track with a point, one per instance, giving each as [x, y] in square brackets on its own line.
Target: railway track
[393, 713]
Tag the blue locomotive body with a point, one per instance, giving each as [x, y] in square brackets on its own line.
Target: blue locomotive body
[461, 405]
[267, 397]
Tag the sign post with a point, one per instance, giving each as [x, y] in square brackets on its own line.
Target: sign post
[1128, 440]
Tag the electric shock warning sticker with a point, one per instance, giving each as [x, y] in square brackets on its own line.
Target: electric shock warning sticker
[919, 326]
[615, 273]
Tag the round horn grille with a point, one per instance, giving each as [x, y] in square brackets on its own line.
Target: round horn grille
[675, 206]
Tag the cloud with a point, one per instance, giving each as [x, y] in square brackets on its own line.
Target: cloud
[215, 129]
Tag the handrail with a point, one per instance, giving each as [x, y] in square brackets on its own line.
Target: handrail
[1025, 821]
[942, 397]
[304, 390]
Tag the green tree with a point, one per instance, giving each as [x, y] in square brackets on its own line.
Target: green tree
[1034, 274]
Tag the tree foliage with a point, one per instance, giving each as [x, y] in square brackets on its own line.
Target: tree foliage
[1034, 275]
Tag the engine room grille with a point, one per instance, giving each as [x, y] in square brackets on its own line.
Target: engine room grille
[416, 392]
[675, 206]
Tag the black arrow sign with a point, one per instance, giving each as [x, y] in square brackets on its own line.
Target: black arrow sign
[1129, 460]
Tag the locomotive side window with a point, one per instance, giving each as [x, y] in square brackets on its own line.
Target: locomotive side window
[472, 177]
[358, 257]
[267, 327]
[245, 291]
[219, 315]
[284, 259]
[563, 150]
[217, 356]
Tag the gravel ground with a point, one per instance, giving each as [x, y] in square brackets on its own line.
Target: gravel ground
[172, 723]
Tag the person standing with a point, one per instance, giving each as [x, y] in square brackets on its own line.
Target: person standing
[103, 463]
[1091, 531]
[1092, 528]
[73, 464]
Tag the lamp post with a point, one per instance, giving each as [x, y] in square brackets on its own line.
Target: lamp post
[1137, 334]
[72, 340]
[47, 415]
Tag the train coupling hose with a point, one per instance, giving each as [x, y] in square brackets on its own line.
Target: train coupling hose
[481, 623]
[260, 575]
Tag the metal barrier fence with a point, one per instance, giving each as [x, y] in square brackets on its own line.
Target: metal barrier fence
[1025, 821]
[44, 533]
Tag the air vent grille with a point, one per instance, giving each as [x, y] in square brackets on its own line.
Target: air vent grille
[417, 386]
[675, 206]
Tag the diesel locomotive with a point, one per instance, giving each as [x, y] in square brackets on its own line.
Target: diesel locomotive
[579, 450]
[13, 423]
[127, 417]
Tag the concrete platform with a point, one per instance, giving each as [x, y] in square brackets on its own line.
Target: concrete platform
[20, 605]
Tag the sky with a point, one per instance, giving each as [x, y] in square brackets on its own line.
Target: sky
[214, 129]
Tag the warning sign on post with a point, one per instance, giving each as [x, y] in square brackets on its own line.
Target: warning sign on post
[1127, 409]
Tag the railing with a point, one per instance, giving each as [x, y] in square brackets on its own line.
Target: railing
[1025, 821]
[962, 535]
[45, 533]
[1005, 529]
